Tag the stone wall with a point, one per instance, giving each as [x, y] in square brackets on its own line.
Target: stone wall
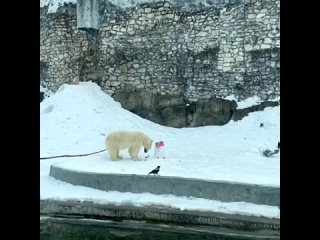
[196, 50]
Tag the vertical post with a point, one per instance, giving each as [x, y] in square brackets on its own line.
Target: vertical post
[88, 15]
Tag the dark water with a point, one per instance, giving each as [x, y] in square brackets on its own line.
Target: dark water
[54, 229]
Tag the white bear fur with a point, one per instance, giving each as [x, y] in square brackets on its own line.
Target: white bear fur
[131, 140]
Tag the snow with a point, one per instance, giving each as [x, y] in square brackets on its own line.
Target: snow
[255, 100]
[44, 3]
[77, 118]
[46, 91]
[53, 5]
[252, 101]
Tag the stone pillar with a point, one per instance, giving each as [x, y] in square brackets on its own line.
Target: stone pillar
[88, 15]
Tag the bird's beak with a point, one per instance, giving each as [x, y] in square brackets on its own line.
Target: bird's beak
[145, 150]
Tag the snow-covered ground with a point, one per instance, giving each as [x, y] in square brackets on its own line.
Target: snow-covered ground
[77, 118]
[255, 100]
[53, 5]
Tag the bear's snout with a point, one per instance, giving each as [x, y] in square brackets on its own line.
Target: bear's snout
[145, 150]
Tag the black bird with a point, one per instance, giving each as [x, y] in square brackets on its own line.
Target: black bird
[155, 171]
[269, 153]
[261, 125]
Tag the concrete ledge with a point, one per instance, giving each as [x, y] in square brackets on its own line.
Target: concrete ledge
[158, 215]
[216, 190]
[83, 228]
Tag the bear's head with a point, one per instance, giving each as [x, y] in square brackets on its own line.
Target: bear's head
[147, 143]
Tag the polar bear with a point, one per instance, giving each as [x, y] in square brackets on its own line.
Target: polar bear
[132, 140]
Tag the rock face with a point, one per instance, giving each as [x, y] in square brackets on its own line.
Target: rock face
[174, 110]
[241, 113]
[174, 52]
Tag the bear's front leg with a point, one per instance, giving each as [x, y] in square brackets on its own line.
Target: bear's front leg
[114, 154]
[134, 152]
[130, 151]
[118, 156]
